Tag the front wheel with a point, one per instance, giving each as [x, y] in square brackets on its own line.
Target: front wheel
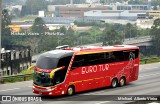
[70, 90]
[114, 83]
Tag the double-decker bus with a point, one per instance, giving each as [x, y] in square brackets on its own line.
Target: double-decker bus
[72, 70]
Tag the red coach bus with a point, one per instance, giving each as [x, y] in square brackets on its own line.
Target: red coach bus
[73, 70]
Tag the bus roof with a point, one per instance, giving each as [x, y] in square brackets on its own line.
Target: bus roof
[50, 59]
[97, 49]
[57, 53]
[82, 50]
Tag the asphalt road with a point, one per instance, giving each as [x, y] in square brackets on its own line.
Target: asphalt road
[147, 84]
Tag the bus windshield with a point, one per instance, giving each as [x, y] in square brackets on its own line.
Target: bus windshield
[43, 78]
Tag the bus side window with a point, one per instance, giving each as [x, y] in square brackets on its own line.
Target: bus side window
[94, 59]
[106, 57]
[111, 57]
[77, 62]
[127, 53]
[119, 56]
[116, 56]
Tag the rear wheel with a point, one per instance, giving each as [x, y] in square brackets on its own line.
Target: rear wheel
[70, 90]
[122, 81]
[114, 83]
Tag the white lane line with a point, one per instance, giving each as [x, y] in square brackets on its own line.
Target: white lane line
[149, 68]
[94, 93]
[10, 89]
[141, 76]
[29, 86]
[103, 102]
[153, 103]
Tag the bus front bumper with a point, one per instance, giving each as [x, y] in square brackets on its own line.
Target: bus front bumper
[46, 91]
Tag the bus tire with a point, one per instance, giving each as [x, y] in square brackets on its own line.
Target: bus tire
[70, 90]
[122, 82]
[114, 83]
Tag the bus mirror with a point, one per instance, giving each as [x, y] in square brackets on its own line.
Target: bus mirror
[29, 69]
[54, 70]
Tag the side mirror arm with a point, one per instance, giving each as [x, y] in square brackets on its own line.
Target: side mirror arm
[29, 69]
[54, 70]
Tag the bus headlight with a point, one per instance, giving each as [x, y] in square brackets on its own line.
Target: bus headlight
[33, 87]
[49, 89]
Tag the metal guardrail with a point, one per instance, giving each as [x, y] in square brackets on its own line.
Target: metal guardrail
[24, 76]
[146, 59]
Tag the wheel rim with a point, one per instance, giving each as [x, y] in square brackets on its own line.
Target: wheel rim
[122, 82]
[114, 83]
[70, 91]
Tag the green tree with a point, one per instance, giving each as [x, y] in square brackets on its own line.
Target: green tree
[102, 1]
[85, 38]
[25, 11]
[95, 34]
[155, 3]
[111, 37]
[118, 27]
[155, 33]
[36, 41]
[62, 30]
[15, 13]
[39, 26]
[6, 32]
[130, 31]
[69, 38]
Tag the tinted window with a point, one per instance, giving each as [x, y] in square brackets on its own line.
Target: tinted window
[102, 58]
[46, 62]
[78, 61]
[64, 61]
[116, 56]
[60, 74]
[130, 54]
[88, 59]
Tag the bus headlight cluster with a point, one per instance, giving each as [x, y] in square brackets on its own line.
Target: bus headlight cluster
[33, 87]
[49, 89]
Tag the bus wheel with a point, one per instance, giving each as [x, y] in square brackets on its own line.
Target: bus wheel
[114, 83]
[122, 81]
[70, 90]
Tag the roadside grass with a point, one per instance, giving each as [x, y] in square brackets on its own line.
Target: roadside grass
[150, 61]
[25, 72]
[19, 79]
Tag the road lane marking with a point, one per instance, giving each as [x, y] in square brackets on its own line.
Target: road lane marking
[29, 86]
[146, 75]
[10, 89]
[149, 68]
[153, 103]
[103, 102]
